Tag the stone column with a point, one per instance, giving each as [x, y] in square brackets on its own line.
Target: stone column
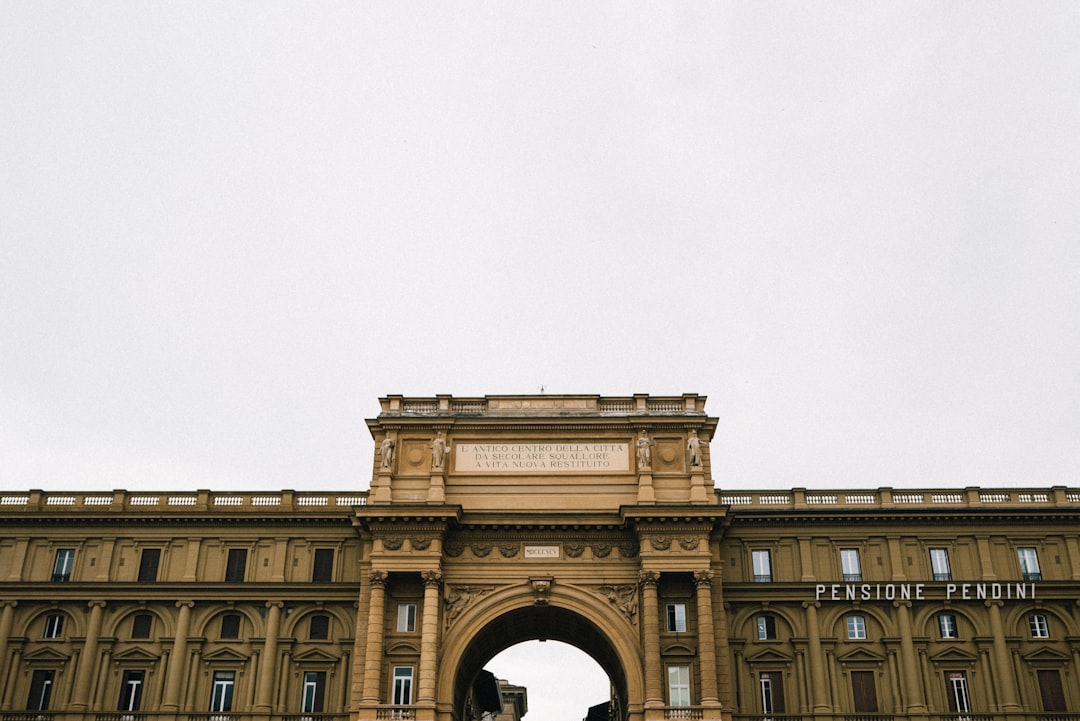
[1003, 671]
[650, 608]
[913, 688]
[817, 660]
[88, 660]
[429, 637]
[264, 684]
[7, 618]
[174, 678]
[373, 657]
[710, 696]
[5, 704]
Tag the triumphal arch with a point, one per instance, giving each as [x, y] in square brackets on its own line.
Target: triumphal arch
[576, 518]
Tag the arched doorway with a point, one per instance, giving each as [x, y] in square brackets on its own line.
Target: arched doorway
[534, 623]
[568, 615]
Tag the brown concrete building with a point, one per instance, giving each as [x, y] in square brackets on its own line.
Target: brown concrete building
[584, 519]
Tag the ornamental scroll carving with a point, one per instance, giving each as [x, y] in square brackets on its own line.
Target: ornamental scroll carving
[421, 544]
[459, 598]
[481, 550]
[660, 544]
[601, 550]
[454, 549]
[689, 543]
[629, 550]
[509, 550]
[623, 598]
[392, 544]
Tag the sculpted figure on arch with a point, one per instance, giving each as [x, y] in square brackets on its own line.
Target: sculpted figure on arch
[694, 446]
[644, 450]
[438, 450]
[386, 450]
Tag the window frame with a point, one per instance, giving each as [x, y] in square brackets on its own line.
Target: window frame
[131, 690]
[149, 565]
[761, 565]
[230, 634]
[958, 692]
[856, 627]
[675, 618]
[766, 627]
[225, 681]
[1039, 625]
[401, 685]
[678, 686]
[236, 561]
[54, 626]
[947, 627]
[41, 686]
[771, 692]
[313, 692]
[850, 565]
[313, 632]
[322, 571]
[63, 563]
[1029, 563]
[406, 618]
[940, 568]
[136, 620]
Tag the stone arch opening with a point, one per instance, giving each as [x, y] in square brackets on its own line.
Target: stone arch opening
[534, 623]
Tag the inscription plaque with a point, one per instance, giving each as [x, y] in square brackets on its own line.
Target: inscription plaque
[518, 457]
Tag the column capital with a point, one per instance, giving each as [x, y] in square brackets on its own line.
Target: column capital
[377, 578]
[902, 604]
[431, 577]
[811, 604]
[989, 603]
[186, 603]
[95, 604]
[13, 604]
[649, 578]
[703, 578]
[275, 604]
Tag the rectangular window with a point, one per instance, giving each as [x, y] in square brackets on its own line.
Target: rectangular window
[323, 570]
[1029, 564]
[762, 566]
[65, 559]
[131, 691]
[403, 676]
[771, 684]
[222, 692]
[947, 625]
[856, 627]
[849, 564]
[320, 628]
[678, 685]
[766, 628]
[54, 626]
[939, 564]
[1039, 627]
[140, 625]
[406, 617]
[314, 691]
[41, 684]
[676, 617]
[956, 687]
[864, 691]
[230, 626]
[236, 565]
[148, 564]
[1053, 694]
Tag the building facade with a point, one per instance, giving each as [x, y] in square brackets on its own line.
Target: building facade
[496, 520]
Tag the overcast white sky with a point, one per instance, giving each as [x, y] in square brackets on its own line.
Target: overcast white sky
[227, 229]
